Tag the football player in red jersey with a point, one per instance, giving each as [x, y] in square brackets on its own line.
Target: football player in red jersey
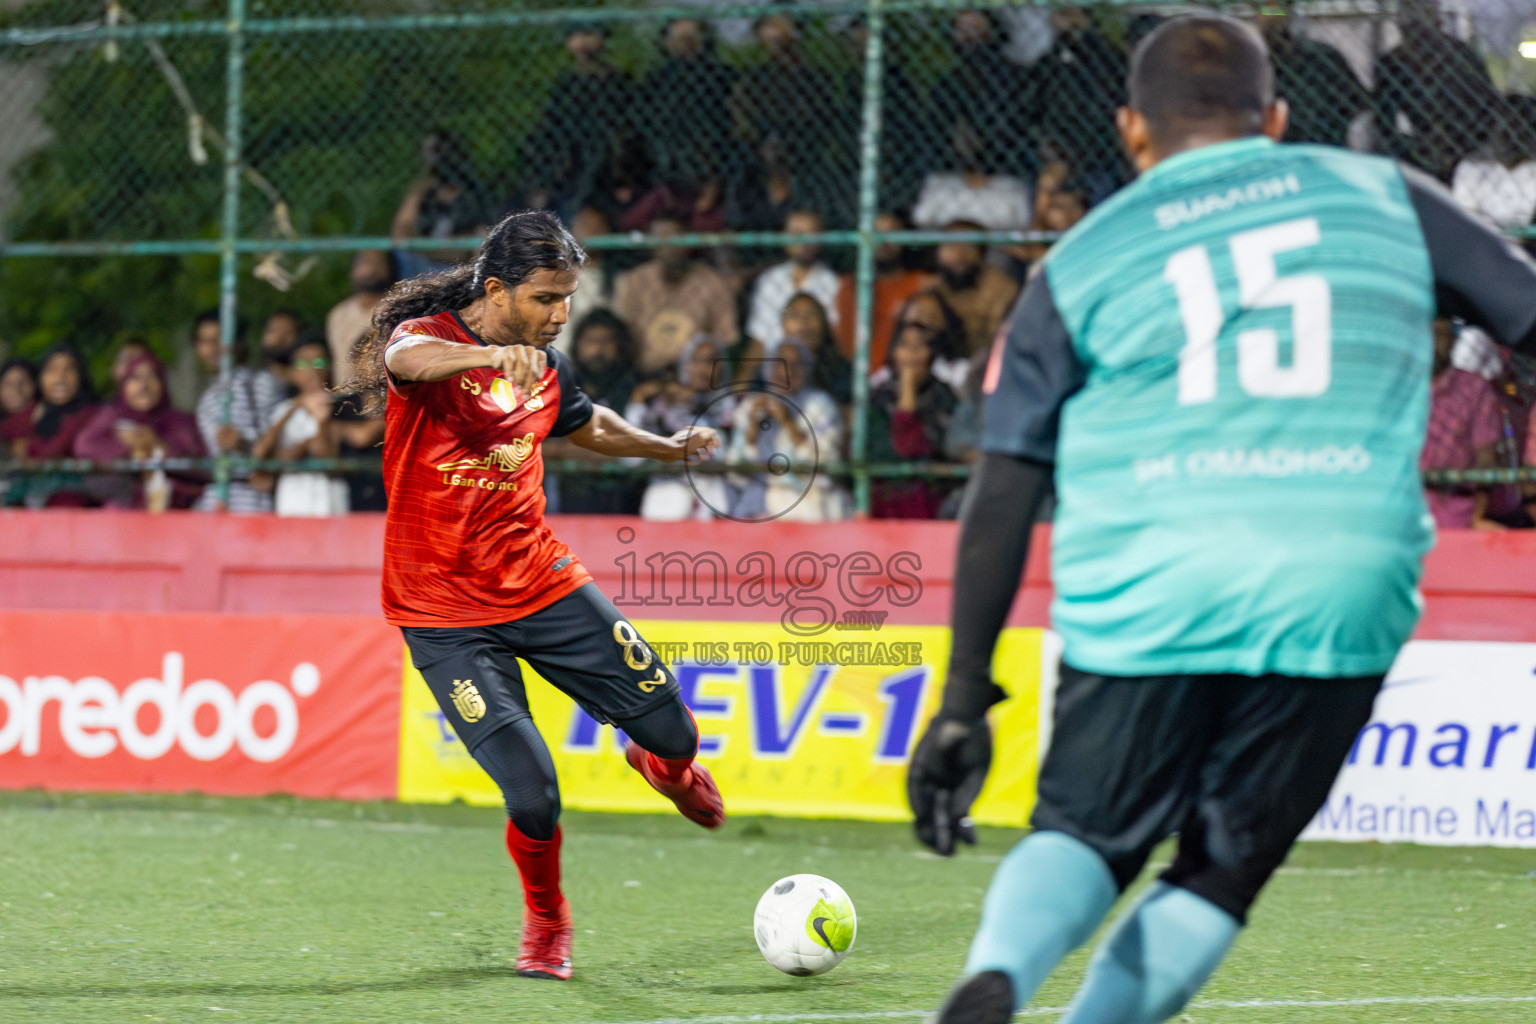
[474, 576]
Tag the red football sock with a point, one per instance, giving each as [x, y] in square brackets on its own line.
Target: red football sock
[538, 862]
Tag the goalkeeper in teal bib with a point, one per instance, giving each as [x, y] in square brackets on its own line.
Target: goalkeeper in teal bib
[1225, 367]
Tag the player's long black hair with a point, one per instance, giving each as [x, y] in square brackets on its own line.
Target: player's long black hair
[520, 244]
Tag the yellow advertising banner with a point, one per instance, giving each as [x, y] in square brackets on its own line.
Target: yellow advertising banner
[787, 726]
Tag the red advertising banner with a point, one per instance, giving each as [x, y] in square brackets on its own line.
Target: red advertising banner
[227, 704]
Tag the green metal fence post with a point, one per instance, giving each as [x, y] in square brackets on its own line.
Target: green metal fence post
[864, 281]
[229, 259]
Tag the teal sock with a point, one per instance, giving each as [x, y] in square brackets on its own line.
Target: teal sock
[1156, 957]
[1047, 897]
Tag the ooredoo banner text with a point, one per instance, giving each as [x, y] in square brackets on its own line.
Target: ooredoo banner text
[231, 704]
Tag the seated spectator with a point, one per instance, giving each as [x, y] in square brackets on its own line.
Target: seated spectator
[789, 98]
[998, 202]
[18, 387]
[50, 428]
[603, 355]
[681, 110]
[690, 398]
[986, 91]
[372, 274]
[805, 320]
[249, 396]
[897, 278]
[304, 427]
[929, 317]
[767, 189]
[280, 335]
[982, 294]
[794, 421]
[1320, 88]
[909, 419]
[1498, 180]
[130, 350]
[671, 298]
[1464, 431]
[1060, 202]
[447, 201]
[360, 432]
[1081, 79]
[18, 394]
[590, 106]
[962, 442]
[594, 279]
[802, 272]
[141, 424]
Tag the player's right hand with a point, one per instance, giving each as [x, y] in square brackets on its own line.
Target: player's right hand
[523, 365]
[946, 775]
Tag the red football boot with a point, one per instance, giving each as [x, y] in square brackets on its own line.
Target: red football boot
[545, 951]
[686, 783]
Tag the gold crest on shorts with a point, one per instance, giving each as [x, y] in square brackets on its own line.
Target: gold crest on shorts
[467, 700]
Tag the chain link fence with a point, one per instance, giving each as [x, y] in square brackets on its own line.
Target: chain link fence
[160, 157]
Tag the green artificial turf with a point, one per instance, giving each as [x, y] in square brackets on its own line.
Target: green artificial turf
[201, 909]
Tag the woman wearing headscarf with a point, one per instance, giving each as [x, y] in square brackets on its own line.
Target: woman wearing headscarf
[791, 422]
[141, 424]
[909, 415]
[49, 428]
[691, 398]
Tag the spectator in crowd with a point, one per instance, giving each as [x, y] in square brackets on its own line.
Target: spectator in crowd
[141, 424]
[621, 187]
[787, 97]
[987, 92]
[304, 427]
[978, 291]
[898, 276]
[18, 394]
[806, 429]
[684, 108]
[1433, 94]
[999, 202]
[1320, 88]
[603, 355]
[131, 349]
[372, 274]
[18, 387]
[909, 417]
[1081, 81]
[586, 118]
[805, 320]
[690, 397]
[764, 195]
[1464, 431]
[281, 333]
[672, 298]
[962, 442]
[360, 432]
[249, 396]
[594, 279]
[50, 428]
[447, 201]
[929, 317]
[802, 272]
[1060, 202]
[694, 197]
[1498, 180]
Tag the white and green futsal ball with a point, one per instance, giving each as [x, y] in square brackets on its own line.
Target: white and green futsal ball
[804, 925]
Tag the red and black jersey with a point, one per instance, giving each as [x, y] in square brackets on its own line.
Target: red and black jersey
[465, 542]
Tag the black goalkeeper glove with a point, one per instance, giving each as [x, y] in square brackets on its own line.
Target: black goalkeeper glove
[946, 775]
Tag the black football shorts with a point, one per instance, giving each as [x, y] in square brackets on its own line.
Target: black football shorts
[1236, 766]
[581, 644]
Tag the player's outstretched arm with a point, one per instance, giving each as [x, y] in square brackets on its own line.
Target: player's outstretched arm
[951, 761]
[1034, 369]
[608, 433]
[422, 358]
